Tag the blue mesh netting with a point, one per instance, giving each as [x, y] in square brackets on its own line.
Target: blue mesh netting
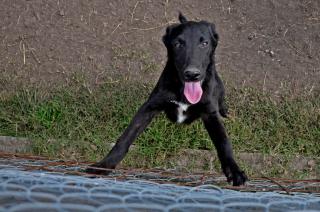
[39, 190]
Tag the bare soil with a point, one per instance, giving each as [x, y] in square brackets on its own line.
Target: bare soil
[271, 45]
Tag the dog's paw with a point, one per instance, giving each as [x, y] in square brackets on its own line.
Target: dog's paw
[98, 168]
[239, 178]
[236, 176]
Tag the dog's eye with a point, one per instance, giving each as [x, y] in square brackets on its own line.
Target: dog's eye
[178, 44]
[204, 44]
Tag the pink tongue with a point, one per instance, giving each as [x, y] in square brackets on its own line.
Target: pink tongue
[192, 91]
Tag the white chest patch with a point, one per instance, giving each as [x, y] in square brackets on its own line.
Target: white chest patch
[182, 108]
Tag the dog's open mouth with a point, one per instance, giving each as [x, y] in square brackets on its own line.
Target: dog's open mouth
[193, 91]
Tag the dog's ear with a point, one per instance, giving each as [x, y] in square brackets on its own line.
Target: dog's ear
[167, 36]
[182, 18]
[212, 31]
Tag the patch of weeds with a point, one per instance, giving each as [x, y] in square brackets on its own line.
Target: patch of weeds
[286, 126]
[49, 113]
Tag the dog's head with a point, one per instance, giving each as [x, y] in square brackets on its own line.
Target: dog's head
[191, 47]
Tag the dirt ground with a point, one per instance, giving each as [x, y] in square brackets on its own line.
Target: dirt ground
[268, 44]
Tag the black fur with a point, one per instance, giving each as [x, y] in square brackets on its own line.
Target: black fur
[190, 48]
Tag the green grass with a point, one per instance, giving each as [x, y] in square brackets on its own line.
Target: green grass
[286, 126]
[75, 123]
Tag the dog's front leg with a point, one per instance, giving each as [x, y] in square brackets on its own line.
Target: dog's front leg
[140, 121]
[219, 137]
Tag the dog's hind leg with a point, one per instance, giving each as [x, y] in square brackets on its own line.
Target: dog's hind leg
[140, 121]
[219, 137]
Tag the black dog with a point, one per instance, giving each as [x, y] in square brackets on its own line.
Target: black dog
[188, 88]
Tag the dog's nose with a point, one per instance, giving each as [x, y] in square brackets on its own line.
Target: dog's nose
[192, 74]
